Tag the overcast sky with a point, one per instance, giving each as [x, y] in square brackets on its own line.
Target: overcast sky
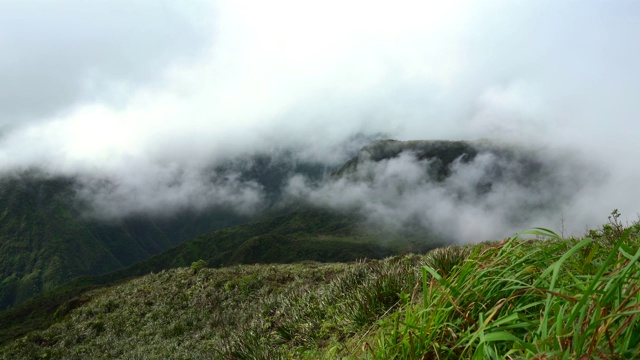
[133, 89]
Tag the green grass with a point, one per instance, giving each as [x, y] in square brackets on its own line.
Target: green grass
[555, 299]
[533, 296]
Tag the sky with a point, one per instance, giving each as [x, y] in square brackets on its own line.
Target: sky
[148, 93]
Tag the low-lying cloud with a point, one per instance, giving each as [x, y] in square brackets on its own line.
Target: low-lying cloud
[488, 197]
[170, 191]
[151, 96]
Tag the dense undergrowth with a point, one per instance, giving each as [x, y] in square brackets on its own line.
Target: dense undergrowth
[531, 296]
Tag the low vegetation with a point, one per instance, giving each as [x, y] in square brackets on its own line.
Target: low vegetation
[539, 297]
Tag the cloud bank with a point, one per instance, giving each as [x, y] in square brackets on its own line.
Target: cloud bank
[478, 196]
[152, 95]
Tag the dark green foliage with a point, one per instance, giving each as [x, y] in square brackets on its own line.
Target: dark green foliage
[42, 241]
[45, 240]
[272, 170]
[304, 234]
[198, 265]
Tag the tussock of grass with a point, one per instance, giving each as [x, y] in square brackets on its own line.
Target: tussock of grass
[444, 260]
[520, 298]
[574, 299]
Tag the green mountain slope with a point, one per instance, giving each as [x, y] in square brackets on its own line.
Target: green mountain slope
[45, 240]
[301, 235]
[51, 233]
[555, 298]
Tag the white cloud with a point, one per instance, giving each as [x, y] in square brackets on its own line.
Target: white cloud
[59, 54]
[109, 88]
[494, 195]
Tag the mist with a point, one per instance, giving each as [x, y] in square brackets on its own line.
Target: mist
[141, 102]
[490, 194]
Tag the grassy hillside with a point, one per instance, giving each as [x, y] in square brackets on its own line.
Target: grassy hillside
[519, 298]
[302, 235]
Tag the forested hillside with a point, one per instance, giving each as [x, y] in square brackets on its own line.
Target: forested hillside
[49, 235]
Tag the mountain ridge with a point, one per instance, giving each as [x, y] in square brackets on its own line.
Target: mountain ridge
[49, 235]
[293, 228]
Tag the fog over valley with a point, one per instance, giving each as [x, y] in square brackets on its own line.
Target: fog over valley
[154, 108]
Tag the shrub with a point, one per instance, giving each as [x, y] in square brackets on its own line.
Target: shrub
[196, 266]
